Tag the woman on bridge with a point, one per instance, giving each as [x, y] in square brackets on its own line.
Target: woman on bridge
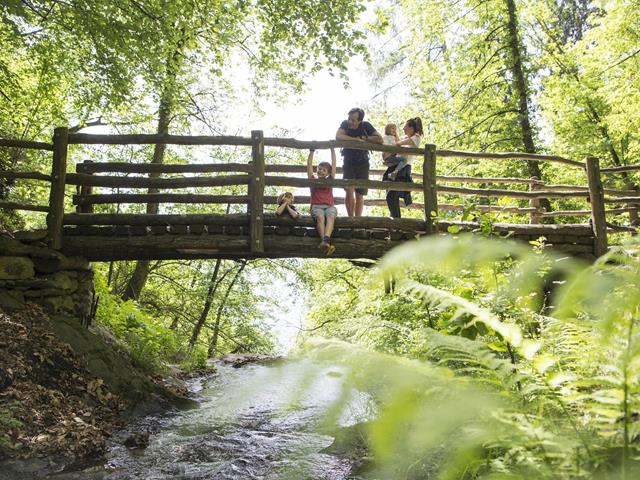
[412, 138]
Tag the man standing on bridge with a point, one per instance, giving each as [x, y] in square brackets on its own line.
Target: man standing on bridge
[355, 163]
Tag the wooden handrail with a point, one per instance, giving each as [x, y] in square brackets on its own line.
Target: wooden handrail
[145, 139]
[21, 206]
[14, 143]
[624, 168]
[510, 156]
[25, 175]
[140, 182]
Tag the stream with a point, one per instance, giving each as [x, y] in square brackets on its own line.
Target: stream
[253, 422]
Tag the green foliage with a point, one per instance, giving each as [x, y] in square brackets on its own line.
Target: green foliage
[150, 344]
[529, 363]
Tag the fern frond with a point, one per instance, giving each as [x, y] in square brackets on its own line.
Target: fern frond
[438, 297]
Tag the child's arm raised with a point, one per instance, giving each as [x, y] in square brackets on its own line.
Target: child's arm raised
[292, 212]
[310, 164]
[281, 208]
[333, 163]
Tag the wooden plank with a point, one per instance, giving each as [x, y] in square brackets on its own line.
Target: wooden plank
[256, 193]
[14, 143]
[624, 168]
[634, 200]
[139, 182]
[510, 156]
[410, 224]
[143, 139]
[106, 248]
[191, 198]
[596, 196]
[56, 196]
[417, 187]
[429, 189]
[152, 139]
[20, 206]
[25, 175]
[151, 219]
[120, 167]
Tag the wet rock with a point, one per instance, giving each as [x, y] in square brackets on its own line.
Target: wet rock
[237, 360]
[16, 268]
[137, 440]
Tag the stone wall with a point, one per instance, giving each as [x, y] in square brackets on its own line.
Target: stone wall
[31, 272]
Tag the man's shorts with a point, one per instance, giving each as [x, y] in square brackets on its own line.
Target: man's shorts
[359, 171]
[323, 211]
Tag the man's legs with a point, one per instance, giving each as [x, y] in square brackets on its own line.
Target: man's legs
[350, 201]
[359, 207]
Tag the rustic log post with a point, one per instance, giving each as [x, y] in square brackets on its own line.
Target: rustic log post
[56, 195]
[429, 188]
[256, 193]
[83, 189]
[596, 196]
[534, 217]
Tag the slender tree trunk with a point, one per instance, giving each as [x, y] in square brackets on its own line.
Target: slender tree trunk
[167, 98]
[522, 91]
[213, 286]
[213, 344]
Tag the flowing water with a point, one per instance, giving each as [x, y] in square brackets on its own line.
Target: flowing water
[254, 422]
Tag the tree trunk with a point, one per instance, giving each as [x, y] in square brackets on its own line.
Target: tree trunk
[213, 286]
[213, 344]
[167, 97]
[522, 91]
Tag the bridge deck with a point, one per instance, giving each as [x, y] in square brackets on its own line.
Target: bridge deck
[98, 238]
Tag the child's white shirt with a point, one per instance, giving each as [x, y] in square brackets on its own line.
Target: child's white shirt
[416, 140]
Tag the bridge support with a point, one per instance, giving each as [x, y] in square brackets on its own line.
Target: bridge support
[429, 188]
[58, 179]
[256, 193]
[598, 216]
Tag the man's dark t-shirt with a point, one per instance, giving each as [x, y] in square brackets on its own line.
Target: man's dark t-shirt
[350, 155]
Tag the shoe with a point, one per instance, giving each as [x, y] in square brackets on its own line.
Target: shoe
[323, 246]
[330, 249]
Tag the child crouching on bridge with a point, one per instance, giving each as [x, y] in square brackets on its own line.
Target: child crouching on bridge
[285, 205]
[322, 204]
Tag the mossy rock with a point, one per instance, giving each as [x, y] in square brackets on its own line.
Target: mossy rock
[16, 268]
[11, 299]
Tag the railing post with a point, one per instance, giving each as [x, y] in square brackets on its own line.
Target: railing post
[58, 178]
[85, 190]
[429, 188]
[534, 217]
[256, 193]
[596, 196]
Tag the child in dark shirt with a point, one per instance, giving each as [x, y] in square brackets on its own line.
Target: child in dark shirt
[285, 204]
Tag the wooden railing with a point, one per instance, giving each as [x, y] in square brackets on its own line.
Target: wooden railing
[257, 175]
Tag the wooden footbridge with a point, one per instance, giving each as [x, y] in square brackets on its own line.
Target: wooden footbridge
[97, 230]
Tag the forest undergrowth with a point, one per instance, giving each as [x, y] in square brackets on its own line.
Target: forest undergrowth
[490, 359]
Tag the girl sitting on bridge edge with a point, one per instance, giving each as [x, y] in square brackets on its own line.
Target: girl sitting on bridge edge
[322, 203]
